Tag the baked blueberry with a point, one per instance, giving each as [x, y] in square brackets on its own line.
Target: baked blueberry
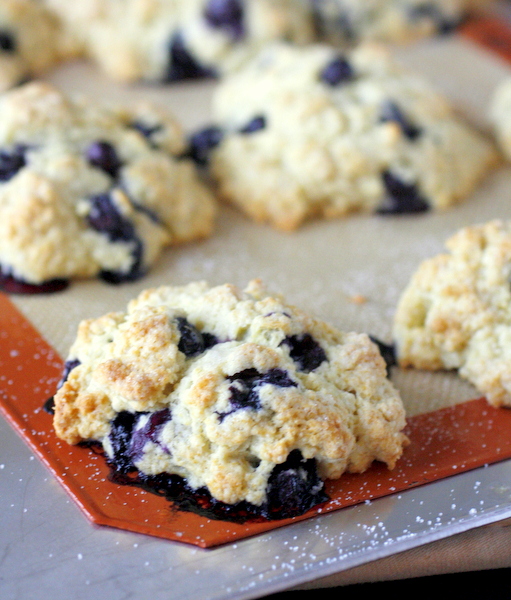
[305, 351]
[105, 218]
[226, 15]
[102, 154]
[120, 435]
[11, 162]
[192, 341]
[202, 142]
[256, 124]
[337, 72]
[401, 198]
[149, 431]
[388, 352]
[182, 65]
[69, 365]
[7, 41]
[294, 487]
[392, 112]
[15, 285]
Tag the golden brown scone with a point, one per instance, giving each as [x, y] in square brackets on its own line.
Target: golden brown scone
[88, 190]
[455, 312]
[224, 387]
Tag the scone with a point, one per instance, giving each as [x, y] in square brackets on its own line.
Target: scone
[164, 41]
[238, 392]
[31, 41]
[500, 116]
[348, 22]
[89, 190]
[311, 132]
[456, 311]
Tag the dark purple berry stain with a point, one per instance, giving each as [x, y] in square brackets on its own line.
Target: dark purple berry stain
[256, 124]
[203, 142]
[193, 342]
[105, 218]
[305, 352]
[244, 391]
[149, 432]
[121, 430]
[390, 111]
[294, 487]
[337, 72]
[388, 352]
[11, 162]
[14, 285]
[7, 41]
[401, 198]
[102, 155]
[226, 15]
[182, 65]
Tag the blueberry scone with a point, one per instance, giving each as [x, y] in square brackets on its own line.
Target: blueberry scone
[31, 41]
[308, 132]
[89, 190]
[238, 393]
[348, 22]
[455, 312]
[162, 40]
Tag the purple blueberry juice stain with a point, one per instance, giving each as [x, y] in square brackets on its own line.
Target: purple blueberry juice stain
[11, 284]
[305, 351]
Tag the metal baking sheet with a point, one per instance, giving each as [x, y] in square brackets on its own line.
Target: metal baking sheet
[48, 548]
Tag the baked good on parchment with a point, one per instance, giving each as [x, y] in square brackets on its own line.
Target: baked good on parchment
[349, 22]
[31, 41]
[455, 312]
[89, 190]
[313, 132]
[171, 40]
[238, 392]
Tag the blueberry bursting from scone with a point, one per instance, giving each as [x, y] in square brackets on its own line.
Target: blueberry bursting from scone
[307, 132]
[90, 191]
[231, 403]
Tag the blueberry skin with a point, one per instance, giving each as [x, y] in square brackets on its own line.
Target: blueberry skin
[305, 352]
[227, 15]
[244, 391]
[121, 430]
[7, 41]
[102, 155]
[149, 432]
[11, 162]
[182, 65]
[401, 198]
[203, 142]
[13, 285]
[391, 112]
[337, 72]
[256, 124]
[193, 342]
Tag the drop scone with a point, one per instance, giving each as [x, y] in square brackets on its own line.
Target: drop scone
[243, 398]
[89, 190]
[455, 312]
[31, 41]
[165, 41]
[311, 132]
[348, 22]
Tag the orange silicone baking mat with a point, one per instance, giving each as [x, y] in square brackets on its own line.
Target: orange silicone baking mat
[443, 442]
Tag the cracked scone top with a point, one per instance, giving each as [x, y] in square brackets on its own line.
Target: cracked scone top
[311, 132]
[170, 40]
[89, 190]
[455, 311]
[31, 41]
[221, 386]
